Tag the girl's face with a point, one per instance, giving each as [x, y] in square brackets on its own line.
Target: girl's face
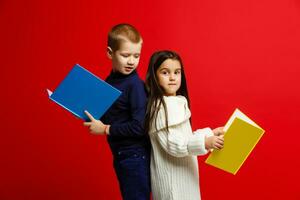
[169, 76]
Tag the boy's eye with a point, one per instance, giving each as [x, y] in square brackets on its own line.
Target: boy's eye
[136, 56]
[125, 55]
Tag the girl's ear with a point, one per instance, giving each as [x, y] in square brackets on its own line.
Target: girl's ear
[109, 52]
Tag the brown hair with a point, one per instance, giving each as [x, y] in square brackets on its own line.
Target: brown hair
[120, 33]
[155, 91]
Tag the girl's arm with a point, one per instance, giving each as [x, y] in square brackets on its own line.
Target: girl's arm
[177, 143]
[180, 141]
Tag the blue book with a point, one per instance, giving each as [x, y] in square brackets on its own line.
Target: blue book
[81, 90]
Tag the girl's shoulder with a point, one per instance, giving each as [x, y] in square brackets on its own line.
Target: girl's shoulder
[177, 110]
[175, 100]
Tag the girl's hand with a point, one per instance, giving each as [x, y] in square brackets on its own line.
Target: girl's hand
[96, 126]
[214, 142]
[218, 131]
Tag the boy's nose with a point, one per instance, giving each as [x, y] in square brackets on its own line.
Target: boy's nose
[130, 61]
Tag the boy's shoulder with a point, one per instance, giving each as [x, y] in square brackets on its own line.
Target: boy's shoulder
[136, 86]
[135, 80]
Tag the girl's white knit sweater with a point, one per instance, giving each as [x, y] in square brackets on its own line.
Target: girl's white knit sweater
[174, 165]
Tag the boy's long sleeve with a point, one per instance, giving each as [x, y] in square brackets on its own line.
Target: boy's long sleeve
[134, 127]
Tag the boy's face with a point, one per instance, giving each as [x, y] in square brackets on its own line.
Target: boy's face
[126, 59]
[169, 76]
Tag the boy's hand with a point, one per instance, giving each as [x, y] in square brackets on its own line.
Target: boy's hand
[96, 126]
[214, 142]
[218, 131]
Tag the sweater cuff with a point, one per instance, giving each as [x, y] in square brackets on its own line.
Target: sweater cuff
[207, 131]
[111, 130]
[196, 144]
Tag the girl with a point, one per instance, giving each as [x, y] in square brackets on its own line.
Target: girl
[174, 165]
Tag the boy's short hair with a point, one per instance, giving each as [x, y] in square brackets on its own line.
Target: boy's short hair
[120, 33]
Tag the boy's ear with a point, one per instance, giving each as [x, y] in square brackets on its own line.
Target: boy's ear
[109, 52]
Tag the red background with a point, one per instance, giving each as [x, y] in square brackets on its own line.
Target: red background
[243, 54]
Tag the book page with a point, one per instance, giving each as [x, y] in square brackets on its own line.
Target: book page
[238, 114]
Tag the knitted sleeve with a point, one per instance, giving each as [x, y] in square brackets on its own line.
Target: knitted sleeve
[179, 144]
[180, 141]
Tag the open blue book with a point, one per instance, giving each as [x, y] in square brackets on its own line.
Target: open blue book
[81, 90]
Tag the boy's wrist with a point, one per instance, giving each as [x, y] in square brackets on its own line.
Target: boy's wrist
[106, 129]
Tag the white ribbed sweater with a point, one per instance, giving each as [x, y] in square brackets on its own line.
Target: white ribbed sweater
[174, 165]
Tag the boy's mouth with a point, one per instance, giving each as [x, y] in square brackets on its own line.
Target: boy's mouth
[128, 68]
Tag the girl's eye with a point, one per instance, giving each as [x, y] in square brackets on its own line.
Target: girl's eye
[177, 72]
[164, 72]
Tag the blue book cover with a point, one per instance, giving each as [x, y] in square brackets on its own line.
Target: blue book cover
[81, 90]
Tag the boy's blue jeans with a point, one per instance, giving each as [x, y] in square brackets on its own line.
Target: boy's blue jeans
[132, 167]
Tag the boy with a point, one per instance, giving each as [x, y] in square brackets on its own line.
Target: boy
[124, 121]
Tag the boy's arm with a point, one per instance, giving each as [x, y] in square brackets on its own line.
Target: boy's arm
[135, 127]
[95, 126]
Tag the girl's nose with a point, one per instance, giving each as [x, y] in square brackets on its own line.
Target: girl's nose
[172, 77]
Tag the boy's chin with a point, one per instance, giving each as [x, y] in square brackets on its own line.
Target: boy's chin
[126, 72]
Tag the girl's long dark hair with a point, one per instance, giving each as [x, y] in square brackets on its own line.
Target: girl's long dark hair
[154, 90]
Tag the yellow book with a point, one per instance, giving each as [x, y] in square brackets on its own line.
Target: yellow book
[241, 136]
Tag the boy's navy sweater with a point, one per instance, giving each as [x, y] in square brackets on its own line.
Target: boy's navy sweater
[126, 115]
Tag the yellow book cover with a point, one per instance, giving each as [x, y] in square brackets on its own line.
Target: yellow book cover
[241, 136]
